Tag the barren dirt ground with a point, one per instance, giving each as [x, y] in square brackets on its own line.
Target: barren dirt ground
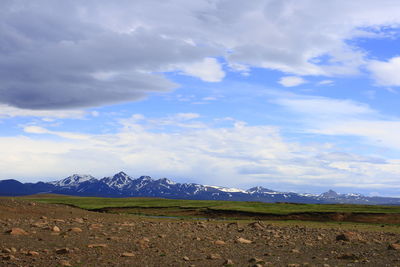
[34, 234]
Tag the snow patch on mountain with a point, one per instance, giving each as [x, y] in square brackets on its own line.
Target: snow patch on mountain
[118, 181]
[74, 180]
[227, 189]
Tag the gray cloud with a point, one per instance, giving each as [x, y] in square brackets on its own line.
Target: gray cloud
[56, 62]
[66, 54]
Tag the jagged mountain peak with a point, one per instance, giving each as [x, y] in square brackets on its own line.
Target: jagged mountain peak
[330, 194]
[74, 180]
[166, 181]
[259, 189]
[144, 177]
[121, 174]
[118, 181]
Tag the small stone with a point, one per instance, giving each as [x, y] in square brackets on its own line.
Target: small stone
[256, 260]
[186, 258]
[78, 220]
[127, 254]
[43, 218]
[9, 257]
[13, 250]
[219, 242]
[17, 231]
[293, 265]
[394, 246]
[144, 242]
[243, 241]
[257, 225]
[295, 251]
[65, 263]
[75, 230]
[214, 256]
[33, 253]
[228, 262]
[97, 246]
[56, 229]
[95, 226]
[63, 251]
[349, 236]
[6, 250]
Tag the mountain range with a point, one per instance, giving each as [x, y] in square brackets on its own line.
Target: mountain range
[123, 185]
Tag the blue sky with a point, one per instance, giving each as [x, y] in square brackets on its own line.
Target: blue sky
[291, 95]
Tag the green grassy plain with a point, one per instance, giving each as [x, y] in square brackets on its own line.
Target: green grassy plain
[95, 203]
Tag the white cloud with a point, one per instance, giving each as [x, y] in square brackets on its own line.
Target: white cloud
[313, 106]
[336, 117]
[7, 111]
[386, 73]
[325, 82]
[291, 81]
[237, 155]
[208, 70]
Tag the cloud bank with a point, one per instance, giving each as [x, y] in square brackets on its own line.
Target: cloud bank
[186, 149]
[72, 54]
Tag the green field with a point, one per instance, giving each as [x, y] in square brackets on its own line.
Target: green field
[95, 203]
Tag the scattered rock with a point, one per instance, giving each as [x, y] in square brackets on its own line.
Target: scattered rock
[63, 251]
[9, 257]
[228, 262]
[257, 225]
[65, 263]
[256, 260]
[127, 254]
[186, 258]
[214, 256]
[6, 250]
[243, 241]
[95, 226]
[295, 251]
[97, 245]
[78, 220]
[56, 229]
[39, 224]
[394, 246]
[349, 236]
[17, 231]
[144, 242]
[33, 253]
[75, 230]
[219, 242]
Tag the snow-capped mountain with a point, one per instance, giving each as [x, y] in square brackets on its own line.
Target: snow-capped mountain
[118, 181]
[123, 185]
[74, 180]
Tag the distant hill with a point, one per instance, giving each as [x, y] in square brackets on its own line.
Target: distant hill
[122, 185]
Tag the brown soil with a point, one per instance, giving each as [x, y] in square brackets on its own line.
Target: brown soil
[381, 218]
[123, 240]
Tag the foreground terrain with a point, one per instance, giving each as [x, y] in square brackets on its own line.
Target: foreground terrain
[42, 234]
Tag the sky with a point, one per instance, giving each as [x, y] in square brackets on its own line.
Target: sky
[293, 95]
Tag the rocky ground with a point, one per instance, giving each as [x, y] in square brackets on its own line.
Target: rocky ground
[34, 234]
